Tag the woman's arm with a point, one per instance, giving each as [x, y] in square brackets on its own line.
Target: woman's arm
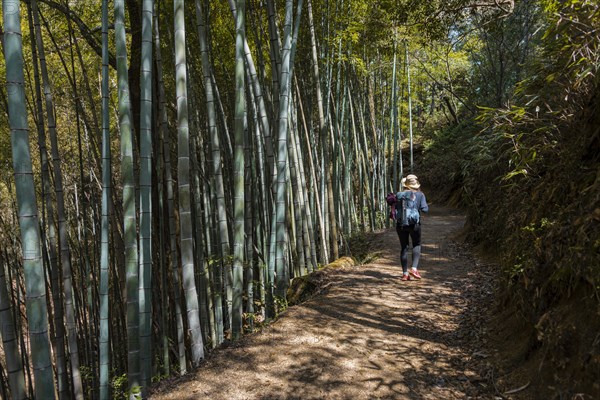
[423, 204]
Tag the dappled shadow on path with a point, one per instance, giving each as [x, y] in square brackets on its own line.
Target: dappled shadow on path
[368, 336]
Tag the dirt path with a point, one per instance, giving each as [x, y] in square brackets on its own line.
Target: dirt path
[368, 335]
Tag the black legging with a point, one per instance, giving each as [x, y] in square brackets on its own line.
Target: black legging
[414, 231]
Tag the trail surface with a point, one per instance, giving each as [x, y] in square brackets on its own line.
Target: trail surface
[366, 336]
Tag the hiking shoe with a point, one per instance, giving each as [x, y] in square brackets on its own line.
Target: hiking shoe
[415, 273]
[405, 277]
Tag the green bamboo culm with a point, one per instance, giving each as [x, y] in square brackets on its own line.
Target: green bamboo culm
[202, 25]
[145, 292]
[394, 122]
[104, 340]
[322, 127]
[410, 130]
[183, 181]
[33, 269]
[238, 196]
[10, 343]
[129, 212]
[50, 236]
[222, 222]
[281, 262]
[65, 250]
[173, 254]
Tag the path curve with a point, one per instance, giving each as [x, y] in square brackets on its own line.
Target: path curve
[367, 336]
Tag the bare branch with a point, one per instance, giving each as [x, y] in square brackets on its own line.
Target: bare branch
[86, 32]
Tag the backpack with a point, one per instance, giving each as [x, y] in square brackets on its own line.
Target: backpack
[410, 214]
[391, 199]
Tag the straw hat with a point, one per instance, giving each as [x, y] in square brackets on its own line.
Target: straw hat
[411, 182]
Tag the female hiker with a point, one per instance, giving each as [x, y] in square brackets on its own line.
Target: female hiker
[410, 203]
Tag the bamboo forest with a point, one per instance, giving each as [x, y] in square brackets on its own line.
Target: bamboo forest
[193, 199]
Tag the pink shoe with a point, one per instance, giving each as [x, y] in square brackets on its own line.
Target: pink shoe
[415, 273]
[405, 277]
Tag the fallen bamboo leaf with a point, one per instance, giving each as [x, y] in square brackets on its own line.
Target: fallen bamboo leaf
[525, 386]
